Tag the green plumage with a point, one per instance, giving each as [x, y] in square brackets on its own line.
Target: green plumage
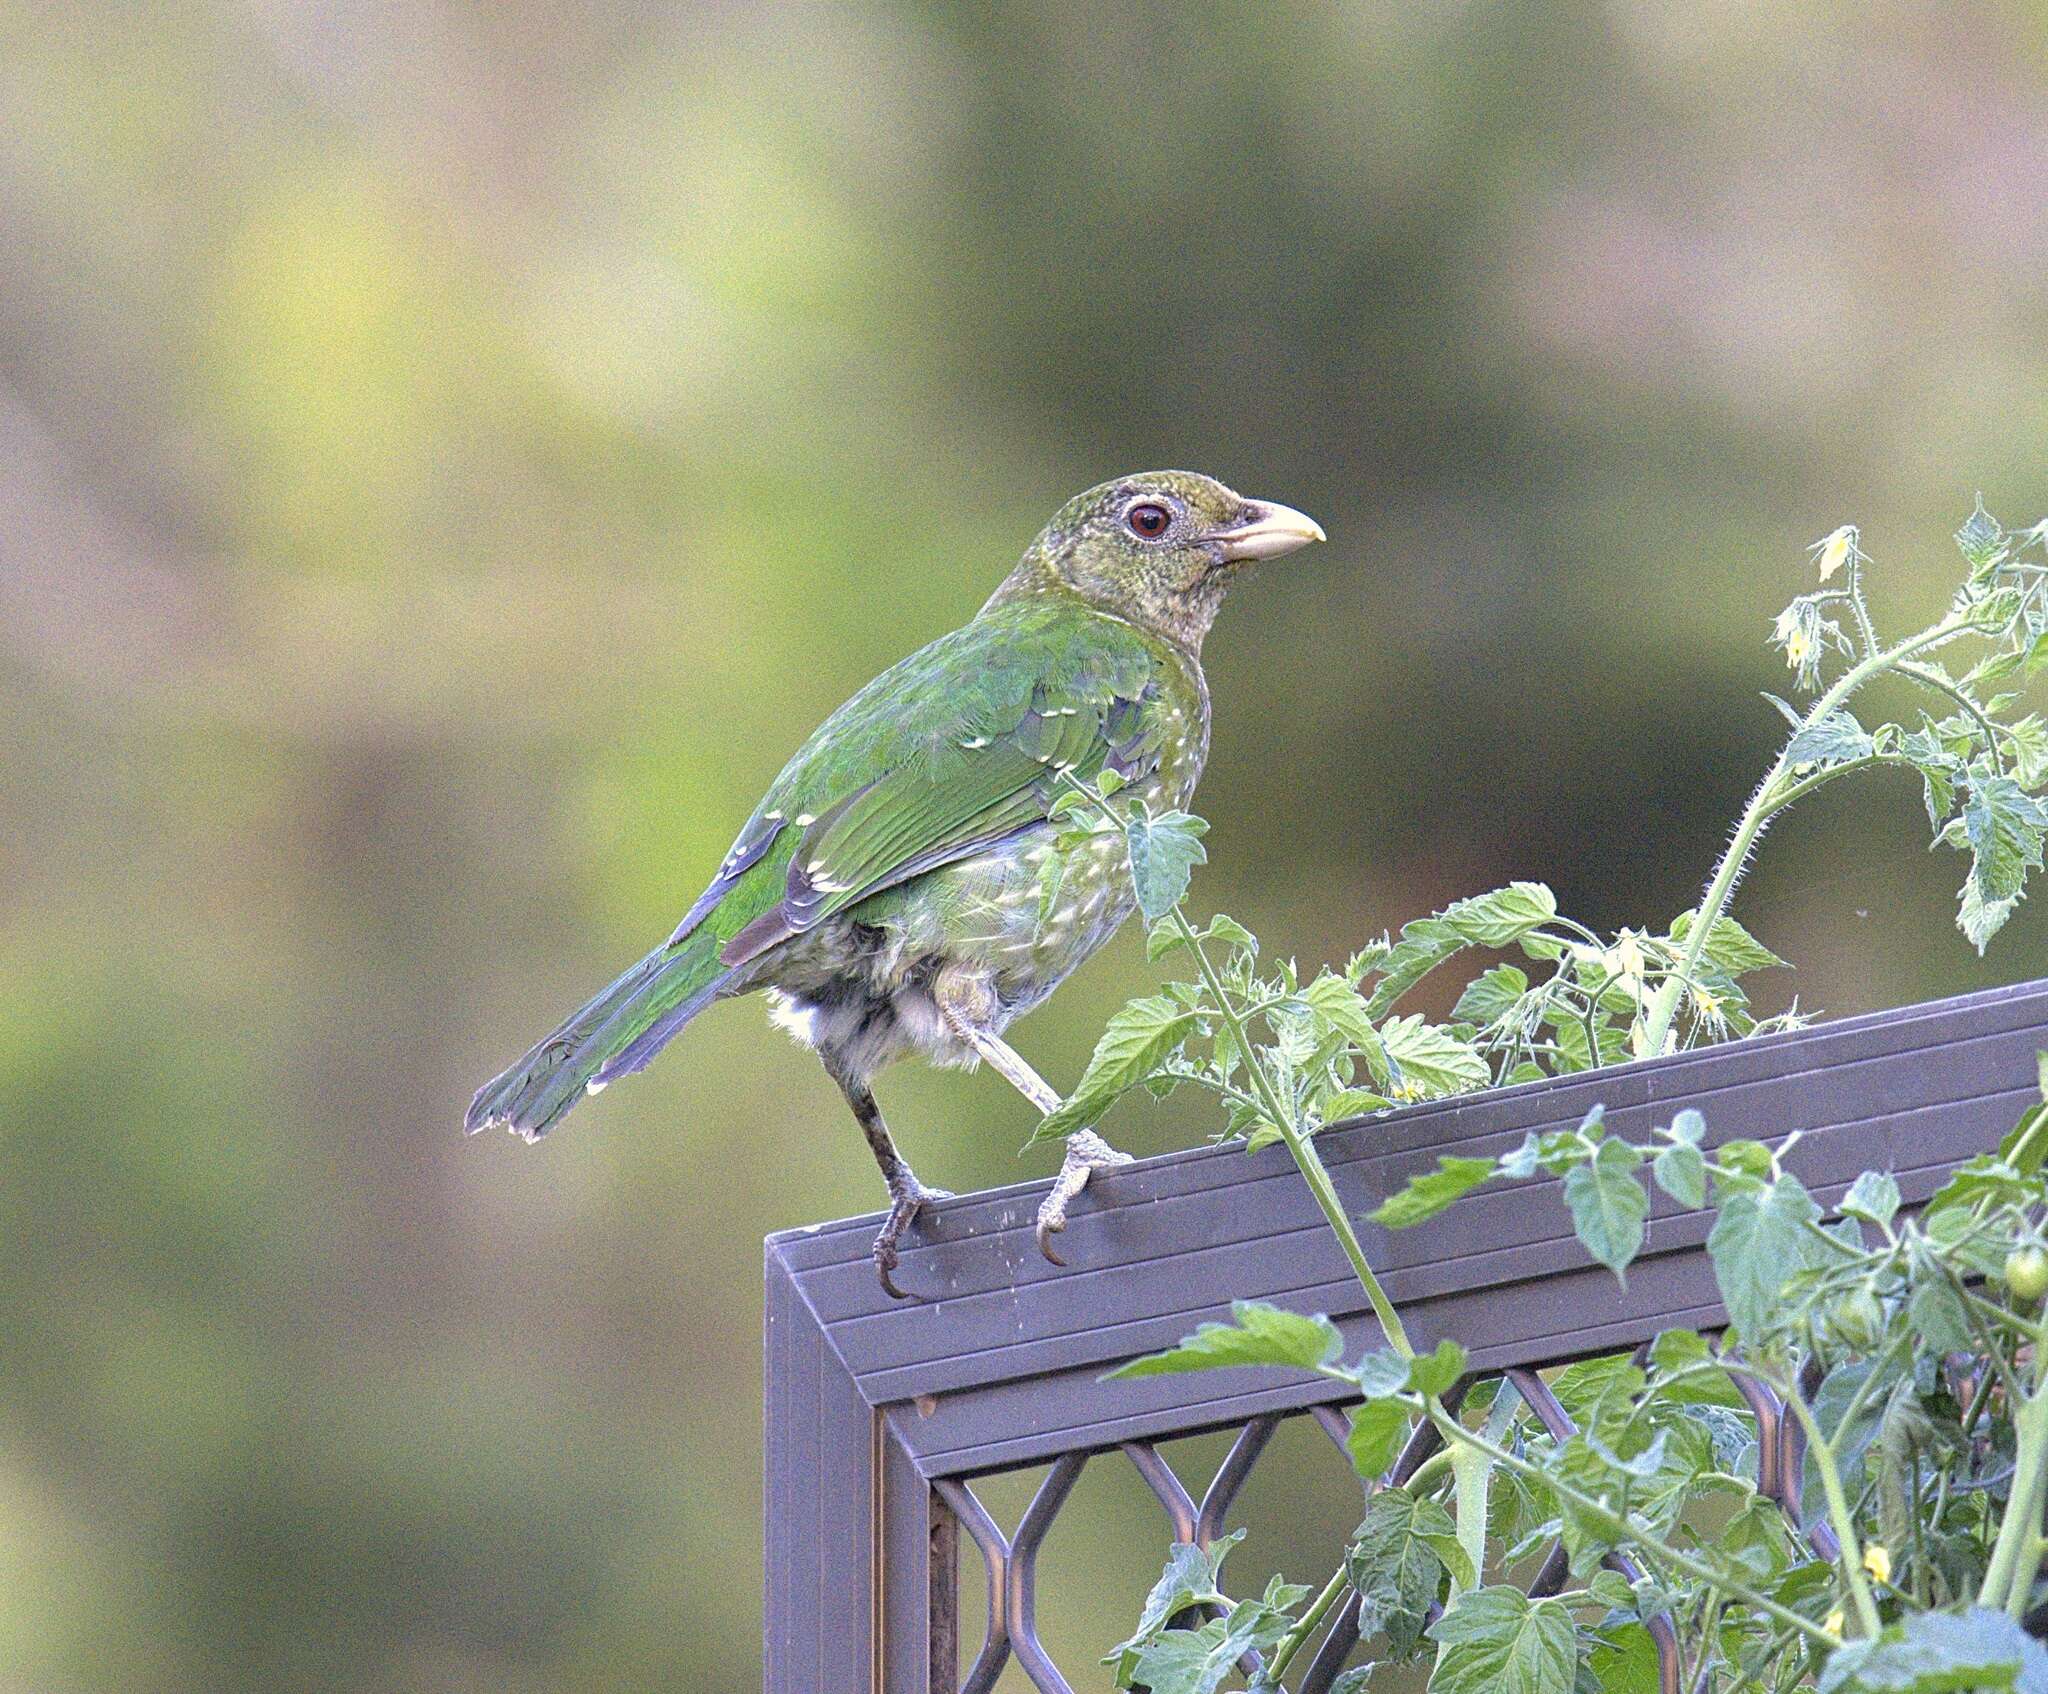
[891, 889]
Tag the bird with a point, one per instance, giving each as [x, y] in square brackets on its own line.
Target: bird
[889, 895]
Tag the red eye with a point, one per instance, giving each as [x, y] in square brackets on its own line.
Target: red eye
[1148, 520]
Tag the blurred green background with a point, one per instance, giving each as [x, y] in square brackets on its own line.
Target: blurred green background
[449, 455]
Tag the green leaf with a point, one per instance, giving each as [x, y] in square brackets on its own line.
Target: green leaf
[1379, 1429]
[1980, 540]
[1682, 1173]
[1380, 1373]
[2029, 745]
[1257, 1334]
[1849, 1439]
[1134, 1045]
[1396, 1561]
[1980, 919]
[1343, 1009]
[1429, 1060]
[1940, 1653]
[2027, 1141]
[1757, 1243]
[1164, 852]
[1201, 1660]
[2004, 824]
[1873, 1195]
[1437, 1372]
[1982, 1178]
[1729, 945]
[1426, 1195]
[1836, 738]
[1677, 1350]
[1608, 1204]
[1424, 945]
[1503, 917]
[1192, 1577]
[1490, 995]
[1349, 1103]
[1499, 1641]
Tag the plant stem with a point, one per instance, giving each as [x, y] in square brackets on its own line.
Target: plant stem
[1819, 1449]
[1292, 1642]
[1470, 1469]
[1767, 801]
[1313, 1171]
[1627, 1529]
[2016, 1555]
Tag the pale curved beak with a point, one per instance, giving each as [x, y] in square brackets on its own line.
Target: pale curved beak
[1272, 530]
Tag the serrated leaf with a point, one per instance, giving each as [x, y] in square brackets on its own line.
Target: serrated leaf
[1164, 851]
[2029, 744]
[1490, 995]
[1349, 1103]
[1980, 919]
[1395, 1560]
[1940, 1653]
[1137, 1041]
[1192, 1577]
[1430, 1193]
[1502, 917]
[1608, 1205]
[1437, 1372]
[1729, 945]
[1379, 1430]
[1257, 1334]
[1838, 737]
[1980, 540]
[1424, 944]
[1380, 1373]
[1429, 1060]
[1873, 1195]
[1498, 1641]
[2003, 824]
[1757, 1243]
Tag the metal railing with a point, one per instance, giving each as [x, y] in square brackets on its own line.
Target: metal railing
[881, 1415]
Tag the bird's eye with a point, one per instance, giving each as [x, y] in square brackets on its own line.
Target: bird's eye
[1148, 520]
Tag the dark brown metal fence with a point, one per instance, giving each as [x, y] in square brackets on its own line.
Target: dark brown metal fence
[881, 1415]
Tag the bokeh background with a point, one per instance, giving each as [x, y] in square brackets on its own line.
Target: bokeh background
[449, 455]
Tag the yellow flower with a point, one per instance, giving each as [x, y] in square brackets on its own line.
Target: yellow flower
[1797, 648]
[1833, 1623]
[1832, 552]
[1878, 1561]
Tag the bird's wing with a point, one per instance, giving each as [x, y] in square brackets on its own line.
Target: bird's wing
[956, 748]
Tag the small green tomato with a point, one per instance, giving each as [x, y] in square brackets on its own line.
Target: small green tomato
[2026, 1274]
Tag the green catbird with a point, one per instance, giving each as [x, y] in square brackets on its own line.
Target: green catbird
[888, 892]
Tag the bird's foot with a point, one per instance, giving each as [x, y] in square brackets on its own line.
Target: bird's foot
[906, 1200]
[1087, 1153]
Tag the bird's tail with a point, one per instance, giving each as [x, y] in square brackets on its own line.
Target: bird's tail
[615, 1034]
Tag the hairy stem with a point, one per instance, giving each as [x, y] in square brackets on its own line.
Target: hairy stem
[1769, 799]
[1313, 1170]
[1306, 1625]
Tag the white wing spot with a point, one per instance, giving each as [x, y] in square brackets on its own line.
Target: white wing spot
[804, 820]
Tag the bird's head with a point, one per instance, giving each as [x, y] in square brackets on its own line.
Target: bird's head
[1160, 548]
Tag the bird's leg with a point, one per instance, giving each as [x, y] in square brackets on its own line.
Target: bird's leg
[907, 1196]
[1086, 1151]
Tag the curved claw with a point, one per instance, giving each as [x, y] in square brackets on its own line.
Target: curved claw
[882, 1273]
[1046, 1229]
